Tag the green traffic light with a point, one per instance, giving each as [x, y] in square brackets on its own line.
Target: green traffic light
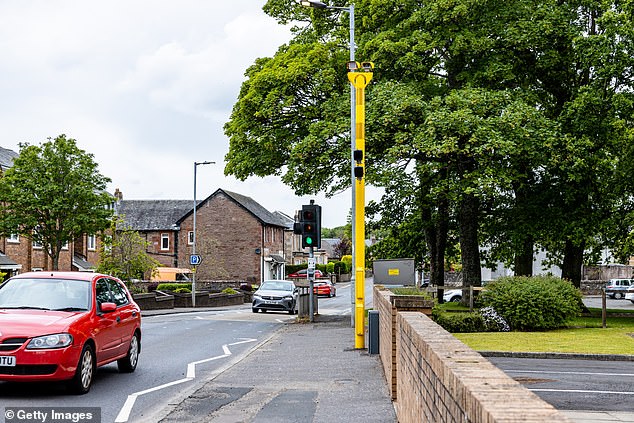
[309, 240]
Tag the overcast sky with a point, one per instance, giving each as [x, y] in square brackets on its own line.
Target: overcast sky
[145, 86]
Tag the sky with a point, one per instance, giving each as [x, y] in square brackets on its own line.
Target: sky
[145, 86]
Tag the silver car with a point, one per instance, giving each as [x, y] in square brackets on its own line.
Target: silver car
[277, 295]
[617, 288]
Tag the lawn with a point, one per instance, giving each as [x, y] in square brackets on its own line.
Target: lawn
[583, 335]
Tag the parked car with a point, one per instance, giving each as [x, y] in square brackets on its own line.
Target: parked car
[278, 295]
[616, 288]
[304, 274]
[452, 295]
[629, 294]
[60, 326]
[325, 287]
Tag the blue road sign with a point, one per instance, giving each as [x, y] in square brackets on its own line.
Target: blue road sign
[195, 259]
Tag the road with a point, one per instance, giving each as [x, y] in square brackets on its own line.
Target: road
[179, 352]
[575, 384]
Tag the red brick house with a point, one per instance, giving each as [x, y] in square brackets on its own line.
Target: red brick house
[237, 238]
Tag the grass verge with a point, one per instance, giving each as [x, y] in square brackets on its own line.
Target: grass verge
[584, 335]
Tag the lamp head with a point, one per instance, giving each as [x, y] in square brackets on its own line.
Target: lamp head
[313, 3]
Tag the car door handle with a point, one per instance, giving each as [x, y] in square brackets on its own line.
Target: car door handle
[118, 319]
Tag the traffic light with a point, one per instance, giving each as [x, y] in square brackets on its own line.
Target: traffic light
[310, 221]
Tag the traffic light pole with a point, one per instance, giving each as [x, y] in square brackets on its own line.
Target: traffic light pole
[311, 286]
[359, 79]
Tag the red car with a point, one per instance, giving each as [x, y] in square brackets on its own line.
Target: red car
[60, 326]
[325, 288]
[304, 274]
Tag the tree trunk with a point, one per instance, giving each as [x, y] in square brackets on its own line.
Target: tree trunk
[573, 261]
[523, 265]
[436, 229]
[469, 246]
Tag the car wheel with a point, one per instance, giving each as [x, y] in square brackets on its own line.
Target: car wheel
[81, 382]
[264, 310]
[255, 310]
[456, 299]
[618, 295]
[128, 363]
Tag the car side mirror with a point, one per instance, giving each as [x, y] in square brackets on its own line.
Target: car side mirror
[107, 307]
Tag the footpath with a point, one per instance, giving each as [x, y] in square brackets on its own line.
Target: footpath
[307, 373]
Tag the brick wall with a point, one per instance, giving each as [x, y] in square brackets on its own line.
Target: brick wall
[440, 379]
[387, 333]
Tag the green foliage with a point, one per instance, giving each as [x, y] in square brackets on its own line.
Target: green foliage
[459, 322]
[53, 194]
[229, 291]
[175, 287]
[348, 261]
[330, 267]
[411, 291]
[533, 304]
[124, 254]
[340, 267]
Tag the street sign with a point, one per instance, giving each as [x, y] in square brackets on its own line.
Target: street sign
[311, 263]
[195, 259]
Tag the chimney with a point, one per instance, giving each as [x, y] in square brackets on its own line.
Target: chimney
[118, 194]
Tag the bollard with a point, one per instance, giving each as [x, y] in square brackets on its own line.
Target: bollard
[373, 332]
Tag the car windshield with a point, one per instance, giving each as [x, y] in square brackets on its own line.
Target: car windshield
[277, 286]
[46, 294]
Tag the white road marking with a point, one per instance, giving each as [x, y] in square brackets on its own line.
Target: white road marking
[581, 391]
[569, 373]
[124, 413]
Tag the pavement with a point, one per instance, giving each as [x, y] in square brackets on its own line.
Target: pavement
[305, 372]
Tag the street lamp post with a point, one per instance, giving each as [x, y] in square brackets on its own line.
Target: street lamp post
[194, 234]
[350, 9]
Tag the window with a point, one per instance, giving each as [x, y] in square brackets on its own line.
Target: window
[190, 237]
[92, 242]
[65, 246]
[118, 293]
[36, 244]
[13, 238]
[165, 241]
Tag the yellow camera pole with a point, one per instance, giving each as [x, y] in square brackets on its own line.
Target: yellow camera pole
[359, 76]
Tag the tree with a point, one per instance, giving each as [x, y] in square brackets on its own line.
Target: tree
[52, 194]
[507, 121]
[124, 254]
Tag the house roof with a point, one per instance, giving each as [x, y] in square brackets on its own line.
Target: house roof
[6, 158]
[152, 215]
[288, 221]
[7, 263]
[249, 204]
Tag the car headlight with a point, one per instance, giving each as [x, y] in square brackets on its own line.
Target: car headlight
[259, 297]
[288, 297]
[58, 340]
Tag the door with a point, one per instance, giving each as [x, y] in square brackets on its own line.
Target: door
[107, 335]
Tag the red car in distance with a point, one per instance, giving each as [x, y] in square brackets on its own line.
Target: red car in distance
[304, 274]
[61, 326]
[325, 287]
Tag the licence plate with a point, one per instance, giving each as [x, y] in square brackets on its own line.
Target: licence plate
[7, 361]
[271, 302]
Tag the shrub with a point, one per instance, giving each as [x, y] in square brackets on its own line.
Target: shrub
[536, 303]
[182, 291]
[152, 286]
[229, 291]
[174, 287]
[459, 322]
[493, 322]
[330, 267]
